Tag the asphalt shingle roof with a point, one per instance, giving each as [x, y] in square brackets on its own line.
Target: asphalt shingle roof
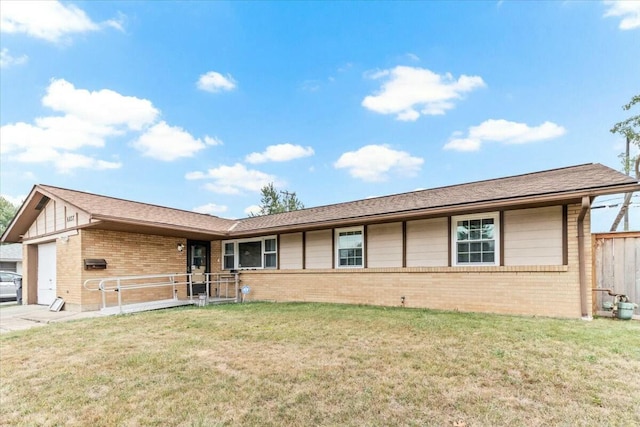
[11, 252]
[559, 185]
[103, 207]
[588, 177]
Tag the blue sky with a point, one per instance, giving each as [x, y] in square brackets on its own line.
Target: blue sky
[197, 105]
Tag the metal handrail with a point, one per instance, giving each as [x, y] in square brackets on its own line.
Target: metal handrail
[220, 279]
[119, 284]
[115, 284]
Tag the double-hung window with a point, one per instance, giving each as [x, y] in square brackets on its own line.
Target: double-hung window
[255, 253]
[350, 247]
[270, 253]
[475, 239]
[229, 261]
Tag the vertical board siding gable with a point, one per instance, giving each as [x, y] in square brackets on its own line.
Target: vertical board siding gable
[55, 217]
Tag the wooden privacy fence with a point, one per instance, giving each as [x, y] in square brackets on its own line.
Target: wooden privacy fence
[616, 266]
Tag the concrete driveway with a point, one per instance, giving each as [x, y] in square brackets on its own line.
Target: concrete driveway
[15, 317]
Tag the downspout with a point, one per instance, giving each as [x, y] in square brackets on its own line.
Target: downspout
[586, 205]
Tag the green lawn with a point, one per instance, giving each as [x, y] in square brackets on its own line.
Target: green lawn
[318, 364]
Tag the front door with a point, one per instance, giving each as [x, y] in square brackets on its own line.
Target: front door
[46, 273]
[198, 264]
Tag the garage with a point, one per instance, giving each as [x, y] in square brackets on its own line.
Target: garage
[46, 273]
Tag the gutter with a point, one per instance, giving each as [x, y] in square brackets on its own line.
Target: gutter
[314, 223]
[100, 219]
[584, 307]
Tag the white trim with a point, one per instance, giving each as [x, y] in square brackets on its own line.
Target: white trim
[336, 248]
[236, 256]
[50, 237]
[496, 238]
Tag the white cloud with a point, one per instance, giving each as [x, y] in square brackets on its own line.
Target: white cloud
[88, 119]
[409, 92]
[57, 132]
[167, 143]
[463, 144]
[16, 201]
[233, 179]
[7, 60]
[628, 10]
[503, 131]
[47, 20]
[413, 57]
[212, 140]
[195, 175]
[216, 82]
[210, 208]
[280, 153]
[104, 107]
[64, 162]
[252, 210]
[513, 132]
[374, 163]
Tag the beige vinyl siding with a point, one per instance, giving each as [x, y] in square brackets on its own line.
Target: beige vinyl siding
[427, 243]
[384, 245]
[291, 251]
[533, 236]
[318, 249]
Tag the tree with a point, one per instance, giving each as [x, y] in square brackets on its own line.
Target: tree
[630, 129]
[7, 212]
[274, 201]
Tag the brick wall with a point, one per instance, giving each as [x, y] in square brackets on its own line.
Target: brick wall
[216, 256]
[508, 290]
[69, 272]
[546, 290]
[550, 290]
[130, 254]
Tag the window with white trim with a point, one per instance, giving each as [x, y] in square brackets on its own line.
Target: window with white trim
[270, 253]
[254, 253]
[350, 247]
[229, 256]
[475, 239]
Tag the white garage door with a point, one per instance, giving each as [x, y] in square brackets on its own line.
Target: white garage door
[46, 273]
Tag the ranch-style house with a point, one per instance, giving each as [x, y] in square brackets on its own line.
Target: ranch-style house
[515, 245]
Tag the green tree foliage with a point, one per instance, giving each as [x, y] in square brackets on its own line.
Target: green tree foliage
[7, 212]
[273, 201]
[630, 129]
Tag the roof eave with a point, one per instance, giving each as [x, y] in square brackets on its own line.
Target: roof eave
[27, 214]
[446, 210]
[22, 219]
[115, 223]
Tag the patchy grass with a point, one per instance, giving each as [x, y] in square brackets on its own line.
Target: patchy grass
[315, 364]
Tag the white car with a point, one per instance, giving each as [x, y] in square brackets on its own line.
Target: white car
[8, 290]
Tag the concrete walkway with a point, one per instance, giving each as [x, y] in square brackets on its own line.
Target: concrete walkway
[15, 317]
